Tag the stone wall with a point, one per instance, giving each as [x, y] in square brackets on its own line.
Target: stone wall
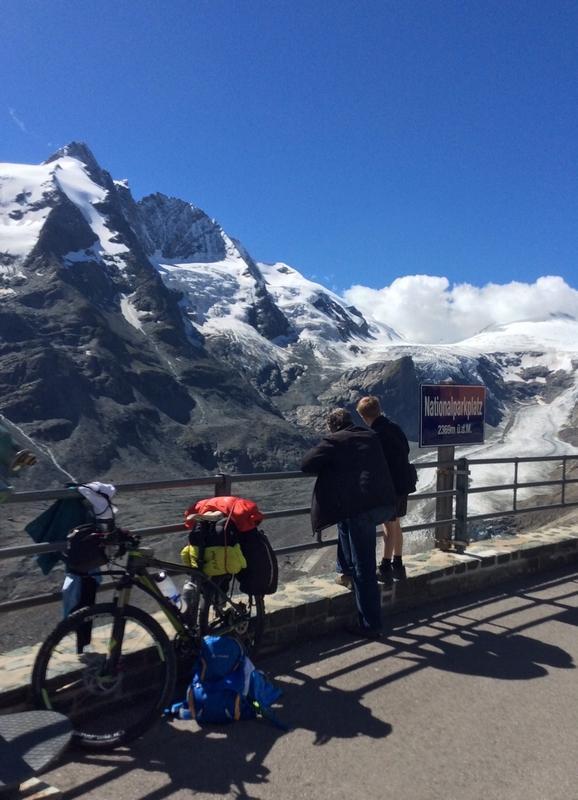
[312, 606]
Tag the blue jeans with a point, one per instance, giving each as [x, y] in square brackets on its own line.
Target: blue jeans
[356, 558]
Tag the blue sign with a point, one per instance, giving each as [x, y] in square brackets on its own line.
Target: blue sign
[451, 414]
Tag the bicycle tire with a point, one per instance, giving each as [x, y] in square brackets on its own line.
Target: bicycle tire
[106, 709]
[249, 630]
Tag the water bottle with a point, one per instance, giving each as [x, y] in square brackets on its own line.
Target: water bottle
[191, 601]
[167, 587]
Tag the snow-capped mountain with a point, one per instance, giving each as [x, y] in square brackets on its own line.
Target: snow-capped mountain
[138, 336]
[98, 363]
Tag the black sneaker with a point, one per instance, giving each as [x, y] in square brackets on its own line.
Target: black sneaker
[385, 573]
[398, 572]
[364, 633]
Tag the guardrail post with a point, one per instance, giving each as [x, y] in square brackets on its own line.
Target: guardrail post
[515, 497]
[444, 504]
[461, 538]
[563, 495]
[223, 485]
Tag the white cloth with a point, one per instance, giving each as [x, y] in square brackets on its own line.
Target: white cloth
[103, 508]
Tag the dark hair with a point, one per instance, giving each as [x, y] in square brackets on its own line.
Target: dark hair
[338, 419]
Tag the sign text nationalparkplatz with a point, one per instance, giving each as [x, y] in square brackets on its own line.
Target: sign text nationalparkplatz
[451, 414]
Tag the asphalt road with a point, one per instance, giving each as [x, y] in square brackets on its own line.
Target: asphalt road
[474, 699]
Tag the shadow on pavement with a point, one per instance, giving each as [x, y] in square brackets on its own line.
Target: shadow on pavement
[231, 758]
[490, 655]
[483, 634]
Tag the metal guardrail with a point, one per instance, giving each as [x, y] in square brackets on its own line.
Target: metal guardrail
[452, 475]
[464, 490]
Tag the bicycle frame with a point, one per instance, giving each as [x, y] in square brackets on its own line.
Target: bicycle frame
[136, 574]
[115, 649]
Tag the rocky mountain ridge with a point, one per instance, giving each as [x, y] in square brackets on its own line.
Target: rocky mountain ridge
[137, 338]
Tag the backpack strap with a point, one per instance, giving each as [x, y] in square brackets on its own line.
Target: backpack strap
[191, 702]
[96, 491]
[225, 532]
[266, 713]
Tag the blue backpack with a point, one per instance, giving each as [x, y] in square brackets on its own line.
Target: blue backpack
[226, 687]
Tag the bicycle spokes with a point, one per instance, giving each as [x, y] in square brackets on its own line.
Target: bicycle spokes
[118, 684]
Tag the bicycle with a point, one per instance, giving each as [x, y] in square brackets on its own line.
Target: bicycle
[111, 668]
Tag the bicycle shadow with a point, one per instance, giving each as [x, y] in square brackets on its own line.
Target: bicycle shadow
[182, 756]
[223, 759]
[454, 636]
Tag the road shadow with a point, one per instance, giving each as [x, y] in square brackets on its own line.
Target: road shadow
[482, 634]
[328, 712]
[489, 655]
[231, 758]
[569, 616]
[472, 635]
[210, 761]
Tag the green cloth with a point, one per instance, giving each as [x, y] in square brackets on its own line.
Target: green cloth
[54, 524]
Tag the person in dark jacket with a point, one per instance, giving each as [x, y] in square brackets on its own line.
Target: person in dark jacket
[396, 450]
[353, 490]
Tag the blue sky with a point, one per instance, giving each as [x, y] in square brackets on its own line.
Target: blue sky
[357, 141]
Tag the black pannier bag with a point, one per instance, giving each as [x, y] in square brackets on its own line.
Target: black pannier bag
[214, 534]
[262, 573]
[85, 549]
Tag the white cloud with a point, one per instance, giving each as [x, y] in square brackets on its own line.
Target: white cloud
[424, 308]
[17, 121]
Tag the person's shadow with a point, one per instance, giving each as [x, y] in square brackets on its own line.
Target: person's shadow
[328, 712]
[504, 656]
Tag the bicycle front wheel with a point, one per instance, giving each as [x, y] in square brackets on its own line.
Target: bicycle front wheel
[110, 670]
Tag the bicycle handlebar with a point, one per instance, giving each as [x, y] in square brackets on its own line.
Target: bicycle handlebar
[121, 538]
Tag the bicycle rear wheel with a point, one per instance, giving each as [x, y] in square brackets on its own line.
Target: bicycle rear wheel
[115, 687]
[220, 618]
